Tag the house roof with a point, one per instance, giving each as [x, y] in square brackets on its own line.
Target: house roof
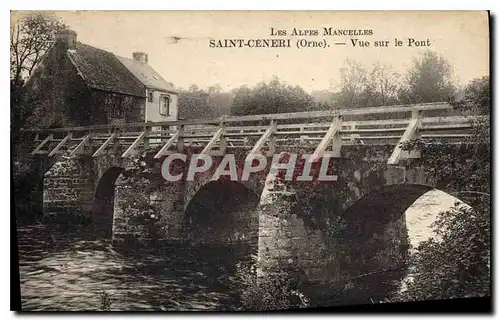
[146, 74]
[102, 70]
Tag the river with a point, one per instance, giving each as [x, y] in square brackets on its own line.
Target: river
[71, 270]
[62, 270]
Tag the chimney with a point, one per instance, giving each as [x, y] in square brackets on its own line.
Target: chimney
[66, 39]
[140, 56]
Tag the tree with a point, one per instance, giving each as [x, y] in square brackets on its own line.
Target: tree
[384, 85]
[325, 97]
[361, 87]
[353, 82]
[195, 103]
[458, 265]
[30, 37]
[428, 80]
[270, 98]
[219, 100]
[476, 98]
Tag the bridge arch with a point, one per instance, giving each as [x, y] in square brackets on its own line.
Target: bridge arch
[104, 197]
[380, 207]
[193, 187]
[222, 212]
[380, 229]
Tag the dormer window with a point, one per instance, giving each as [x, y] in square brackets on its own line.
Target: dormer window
[165, 105]
[150, 96]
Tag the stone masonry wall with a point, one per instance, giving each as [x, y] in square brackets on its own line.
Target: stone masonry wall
[286, 245]
[68, 191]
[298, 221]
[147, 208]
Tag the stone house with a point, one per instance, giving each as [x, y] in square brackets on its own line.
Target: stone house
[78, 85]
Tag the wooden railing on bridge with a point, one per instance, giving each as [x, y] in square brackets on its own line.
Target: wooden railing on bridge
[320, 129]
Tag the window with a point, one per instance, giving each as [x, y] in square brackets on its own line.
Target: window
[165, 105]
[117, 106]
[150, 96]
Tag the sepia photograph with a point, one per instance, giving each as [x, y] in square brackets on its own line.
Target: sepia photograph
[250, 161]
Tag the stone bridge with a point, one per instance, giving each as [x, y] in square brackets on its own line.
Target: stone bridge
[314, 230]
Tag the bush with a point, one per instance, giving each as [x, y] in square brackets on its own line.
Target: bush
[457, 264]
[267, 293]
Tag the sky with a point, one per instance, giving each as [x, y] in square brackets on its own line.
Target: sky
[461, 37]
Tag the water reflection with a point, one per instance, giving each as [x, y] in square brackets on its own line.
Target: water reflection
[66, 269]
[62, 270]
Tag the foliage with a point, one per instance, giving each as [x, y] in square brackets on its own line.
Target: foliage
[325, 97]
[143, 210]
[30, 37]
[457, 263]
[361, 87]
[270, 98]
[196, 103]
[363, 271]
[145, 214]
[477, 97]
[429, 80]
[353, 79]
[473, 172]
[267, 293]
[383, 85]
[220, 100]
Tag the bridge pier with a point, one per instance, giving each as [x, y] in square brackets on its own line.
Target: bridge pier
[147, 209]
[306, 229]
[275, 246]
[68, 191]
[287, 247]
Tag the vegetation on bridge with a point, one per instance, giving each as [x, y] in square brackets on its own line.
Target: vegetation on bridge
[458, 264]
[454, 266]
